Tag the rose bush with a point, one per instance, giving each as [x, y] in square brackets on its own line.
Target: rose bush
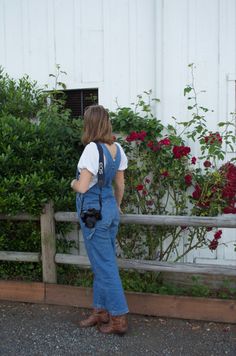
[164, 178]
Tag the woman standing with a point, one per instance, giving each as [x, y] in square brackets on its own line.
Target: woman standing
[109, 303]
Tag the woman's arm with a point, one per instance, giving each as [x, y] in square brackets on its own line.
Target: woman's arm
[82, 184]
[119, 187]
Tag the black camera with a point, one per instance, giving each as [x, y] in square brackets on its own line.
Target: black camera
[90, 217]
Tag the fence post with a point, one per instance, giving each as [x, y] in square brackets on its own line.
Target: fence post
[48, 243]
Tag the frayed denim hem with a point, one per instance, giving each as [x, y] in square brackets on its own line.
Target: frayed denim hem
[113, 312]
[99, 306]
[116, 313]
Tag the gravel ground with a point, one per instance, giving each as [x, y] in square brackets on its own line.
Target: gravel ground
[48, 330]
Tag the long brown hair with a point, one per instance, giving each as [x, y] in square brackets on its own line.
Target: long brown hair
[97, 125]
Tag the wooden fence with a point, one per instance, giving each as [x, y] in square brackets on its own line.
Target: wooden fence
[50, 258]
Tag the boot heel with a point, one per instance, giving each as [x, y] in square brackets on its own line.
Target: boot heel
[117, 325]
[97, 317]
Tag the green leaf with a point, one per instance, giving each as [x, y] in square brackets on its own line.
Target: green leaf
[187, 90]
[221, 124]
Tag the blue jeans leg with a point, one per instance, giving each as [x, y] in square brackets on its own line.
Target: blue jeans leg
[107, 288]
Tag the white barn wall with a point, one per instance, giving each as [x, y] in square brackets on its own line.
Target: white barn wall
[189, 34]
[116, 64]
[125, 47]
[129, 65]
[107, 44]
[171, 19]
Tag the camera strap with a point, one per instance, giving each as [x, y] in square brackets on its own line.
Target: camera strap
[100, 166]
[101, 174]
[100, 171]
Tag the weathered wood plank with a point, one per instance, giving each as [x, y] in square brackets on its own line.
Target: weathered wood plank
[154, 266]
[66, 216]
[19, 217]
[208, 309]
[48, 244]
[32, 292]
[177, 267]
[172, 220]
[82, 261]
[228, 221]
[20, 256]
[68, 295]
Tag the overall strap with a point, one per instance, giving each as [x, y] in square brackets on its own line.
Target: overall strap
[101, 174]
[112, 164]
[101, 177]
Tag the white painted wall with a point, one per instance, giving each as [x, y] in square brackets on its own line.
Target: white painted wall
[125, 47]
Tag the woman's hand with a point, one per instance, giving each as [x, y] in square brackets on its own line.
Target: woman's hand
[120, 211]
[72, 183]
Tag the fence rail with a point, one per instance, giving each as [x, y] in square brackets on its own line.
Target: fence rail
[50, 258]
[169, 220]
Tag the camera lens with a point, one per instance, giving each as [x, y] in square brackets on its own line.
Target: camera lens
[90, 221]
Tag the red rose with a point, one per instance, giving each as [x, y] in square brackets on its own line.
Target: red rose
[134, 136]
[142, 135]
[218, 234]
[150, 144]
[207, 164]
[229, 210]
[213, 137]
[193, 160]
[147, 180]
[144, 192]
[197, 192]
[165, 174]
[188, 179]
[156, 147]
[213, 245]
[228, 192]
[228, 171]
[139, 187]
[164, 142]
[180, 151]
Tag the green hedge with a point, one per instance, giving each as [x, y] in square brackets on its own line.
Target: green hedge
[39, 148]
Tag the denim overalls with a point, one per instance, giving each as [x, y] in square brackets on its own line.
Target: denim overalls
[100, 241]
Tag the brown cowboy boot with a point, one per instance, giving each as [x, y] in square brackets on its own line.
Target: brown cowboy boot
[117, 325]
[98, 316]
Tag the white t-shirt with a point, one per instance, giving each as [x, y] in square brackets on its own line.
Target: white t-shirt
[90, 160]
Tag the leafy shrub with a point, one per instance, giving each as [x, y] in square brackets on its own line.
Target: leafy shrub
[37, 159]
[164, 178]
[39, 148]
[22, 98]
